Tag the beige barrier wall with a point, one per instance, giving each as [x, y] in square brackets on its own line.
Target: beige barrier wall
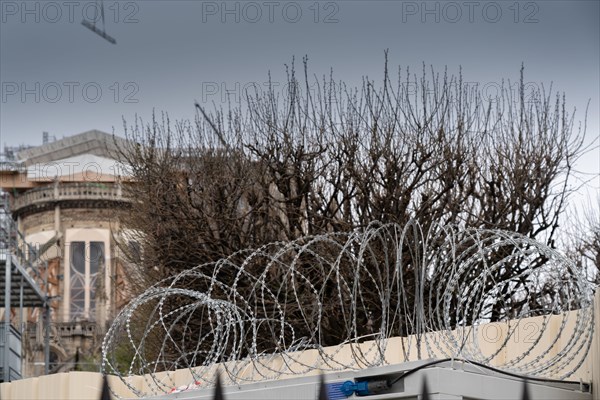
[63, 386]
[87, 385]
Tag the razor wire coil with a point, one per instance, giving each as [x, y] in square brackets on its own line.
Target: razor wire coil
[343, 301]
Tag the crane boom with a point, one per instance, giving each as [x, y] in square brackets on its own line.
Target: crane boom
[92, 25]
[99, 32]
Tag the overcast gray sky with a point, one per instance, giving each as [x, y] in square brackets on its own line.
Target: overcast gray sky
[58, 76]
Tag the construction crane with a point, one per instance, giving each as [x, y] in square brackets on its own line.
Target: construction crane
[92, 25]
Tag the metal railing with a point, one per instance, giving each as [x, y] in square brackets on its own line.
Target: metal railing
[12, 166]
[13, 242]
[14, 248]
[69, 191]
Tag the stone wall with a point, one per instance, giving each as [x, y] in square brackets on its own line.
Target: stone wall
[66, 336]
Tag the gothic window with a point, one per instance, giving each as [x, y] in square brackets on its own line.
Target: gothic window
[78, 279]
[87, 261]
[96, 265]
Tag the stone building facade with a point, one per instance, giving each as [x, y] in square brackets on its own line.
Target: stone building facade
[66, 198]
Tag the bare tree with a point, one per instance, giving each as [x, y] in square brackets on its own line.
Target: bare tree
[425, 147]
[583, 239]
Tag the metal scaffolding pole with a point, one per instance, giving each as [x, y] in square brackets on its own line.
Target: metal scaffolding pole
[6, 332]
[21, 324]
[20, 289]
[46, 323]
[47, 337]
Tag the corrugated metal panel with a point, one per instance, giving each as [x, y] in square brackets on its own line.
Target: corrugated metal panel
[450, 380]
[10, 350]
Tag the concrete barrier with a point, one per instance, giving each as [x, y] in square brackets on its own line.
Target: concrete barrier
[87, 385]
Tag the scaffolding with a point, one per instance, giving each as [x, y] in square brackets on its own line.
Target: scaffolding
[19, 289]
